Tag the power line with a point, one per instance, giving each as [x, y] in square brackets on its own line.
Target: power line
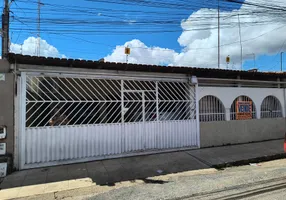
[63, 20]
[228, 44]
[281, 48]
[265, 6]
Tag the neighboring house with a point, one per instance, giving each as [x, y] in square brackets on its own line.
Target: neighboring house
[60, 111]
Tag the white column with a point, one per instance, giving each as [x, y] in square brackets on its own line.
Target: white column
[227, 114]
[22, 123]
[238, 84]
[258, 111]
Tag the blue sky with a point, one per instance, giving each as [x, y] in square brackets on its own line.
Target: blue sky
[94, 45]
[76, 48]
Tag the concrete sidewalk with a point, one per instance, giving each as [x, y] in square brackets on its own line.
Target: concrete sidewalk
[240, 154]
[108, 173]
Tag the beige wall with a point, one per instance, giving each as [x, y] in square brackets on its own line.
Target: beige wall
[7, 92]
[235, 132]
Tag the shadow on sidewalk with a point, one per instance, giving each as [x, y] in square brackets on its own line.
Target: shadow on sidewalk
[110, 172]
[107, 172]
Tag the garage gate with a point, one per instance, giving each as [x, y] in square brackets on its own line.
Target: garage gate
[68, 118]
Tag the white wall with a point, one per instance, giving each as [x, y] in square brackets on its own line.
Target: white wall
[241, 131]
[228, 94]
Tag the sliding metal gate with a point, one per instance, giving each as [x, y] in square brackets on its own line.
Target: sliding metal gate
[67, 119]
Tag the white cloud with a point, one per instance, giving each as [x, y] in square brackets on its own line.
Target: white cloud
[29, 47]
[262, 32]
[140, 53]
[130, 21]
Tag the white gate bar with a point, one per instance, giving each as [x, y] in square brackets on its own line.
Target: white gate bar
[22, 120]
[179, 96]
[122, 100]
[82, 89]
[40, 83]
[68, 88]
[94, 89]
[157, 101]
[197, 116]
[83, 113]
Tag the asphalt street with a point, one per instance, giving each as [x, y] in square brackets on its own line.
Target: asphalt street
[265, 181]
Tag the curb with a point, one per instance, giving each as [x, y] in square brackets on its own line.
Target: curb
[248, 161]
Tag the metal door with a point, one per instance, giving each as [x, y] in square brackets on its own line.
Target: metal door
[133, 121]
[71, 118]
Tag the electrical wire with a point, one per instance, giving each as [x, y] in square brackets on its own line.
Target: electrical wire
[73, 21]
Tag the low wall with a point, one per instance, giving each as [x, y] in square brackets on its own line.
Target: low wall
[244, 131]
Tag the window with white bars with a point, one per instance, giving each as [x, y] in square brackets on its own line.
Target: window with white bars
[61, 101]
[271, 108]
[54, 101]
[176, 101]
[233, 109]
[211, 109]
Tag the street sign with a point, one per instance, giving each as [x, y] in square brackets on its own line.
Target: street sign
[227, 59]
[243, 110]
[127, 50]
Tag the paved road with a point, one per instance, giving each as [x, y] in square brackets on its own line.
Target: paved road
[267, 181]
[270, 189]
[102, 176]
[281, 194]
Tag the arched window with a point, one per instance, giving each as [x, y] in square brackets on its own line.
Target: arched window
[239, 109]
[271, 108]
[211, 109]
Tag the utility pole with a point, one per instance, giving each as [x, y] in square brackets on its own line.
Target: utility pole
[5, 29]
[240, 41]
[254, 58]
[39, 29]
[218, 28]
